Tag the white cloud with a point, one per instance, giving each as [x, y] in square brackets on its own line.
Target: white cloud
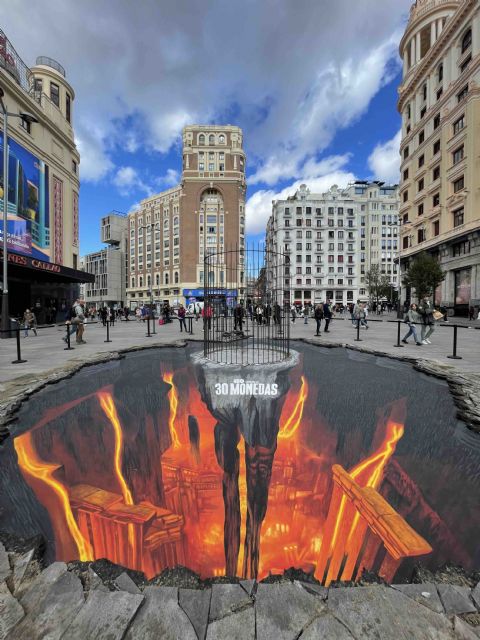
[127, 179]
[327, 173]
[170, 179]
[384, 160]
[290, 77]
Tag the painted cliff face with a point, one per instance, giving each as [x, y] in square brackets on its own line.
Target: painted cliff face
[367, 467]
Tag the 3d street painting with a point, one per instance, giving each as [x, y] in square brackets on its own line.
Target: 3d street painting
[332, 462]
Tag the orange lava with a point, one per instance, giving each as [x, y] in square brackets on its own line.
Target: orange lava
[173, 398]
[290, 427]
[31, 465]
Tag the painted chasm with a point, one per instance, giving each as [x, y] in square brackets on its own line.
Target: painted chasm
[333, 463]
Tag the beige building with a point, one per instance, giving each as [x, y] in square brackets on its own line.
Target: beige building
[440, 150]
[172, 231]
[43, 193]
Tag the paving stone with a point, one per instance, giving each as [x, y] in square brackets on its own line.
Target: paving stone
[226, 599]
[5, 570]
[125, 583]
[463, 631]
[316, 589]
[283, 610]
[21, 563]
[456, 599]
[248, 585]
[425, 593]
[328, 627]
[476, 595]
[161, 617]
[381, 613]
[196, 604]
[11, 611]
[105, 616]
[54, 611]
[236, 626]
[37, 587]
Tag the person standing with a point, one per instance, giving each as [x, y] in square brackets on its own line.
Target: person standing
[318, 317]
[305, 314]
[207, 316]
[426, 310]
[293, 312]
[181, 318]
[411, 318]
[29, 322]
[79, 320]
[327, 315]
[277, 314]
[104, 315]
[238, 318]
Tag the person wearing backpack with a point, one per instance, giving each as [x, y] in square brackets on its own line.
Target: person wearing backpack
[318, 317]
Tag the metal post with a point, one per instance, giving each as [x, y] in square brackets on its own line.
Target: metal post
[454, 355]
[148, 334]
[68, 347]
[398, 335]
[190, 328]
[5, 311]
[358, 339]
[19, 354]
[108, 332]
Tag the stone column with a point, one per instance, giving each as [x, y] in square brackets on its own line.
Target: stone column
[439, 27]
[433, 33]
[412, 52]
[418, 47]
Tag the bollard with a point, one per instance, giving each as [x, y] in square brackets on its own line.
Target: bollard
[454, 355]
[153, 322]
[108, 332]
[68, 347]
[148, 334]
[358, 339]
[399, 322]
[19, 354]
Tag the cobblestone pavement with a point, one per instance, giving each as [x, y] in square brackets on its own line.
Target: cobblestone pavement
[75, 602]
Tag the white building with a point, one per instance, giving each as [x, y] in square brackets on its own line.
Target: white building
[332, 239]
[109, 265]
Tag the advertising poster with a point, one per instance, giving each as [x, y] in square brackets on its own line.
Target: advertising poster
[28, 224]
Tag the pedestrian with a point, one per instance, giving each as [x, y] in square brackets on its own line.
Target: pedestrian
[29, 322]
[277, 314]
[181, 318]
[318, 317]
[305, 314]
[69, 315]
[104, 315]
[125, 313]
[293, 312]
[327, 315]
[207, 314]
[411, 318]
[143, 311]
[471, 313]
[79, 320]
[426, 310]
[111, 316]
[138, 314]
[238, 318]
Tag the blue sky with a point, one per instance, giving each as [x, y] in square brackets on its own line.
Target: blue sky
[313, 84]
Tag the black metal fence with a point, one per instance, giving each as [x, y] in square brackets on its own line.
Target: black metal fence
[246, 312]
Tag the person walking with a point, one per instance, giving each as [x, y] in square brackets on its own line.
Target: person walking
[327, 315]
[207, 316]
[293, 312]
[305, 314]
[238, 318]
[104, 315]
[425, 308]
[181, 318]
[411, 318]
[29, 322]
[318, 317]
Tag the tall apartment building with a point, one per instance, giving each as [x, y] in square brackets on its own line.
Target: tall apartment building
[109, 265]
[172, 231]
[439, 100]
[332, 239]
[43, 185]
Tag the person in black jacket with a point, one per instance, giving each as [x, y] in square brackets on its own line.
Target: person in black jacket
[318, 317]
[327, 315]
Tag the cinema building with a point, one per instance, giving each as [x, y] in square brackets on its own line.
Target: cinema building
[43, 186]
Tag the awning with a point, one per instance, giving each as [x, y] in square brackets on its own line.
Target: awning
[24, 267]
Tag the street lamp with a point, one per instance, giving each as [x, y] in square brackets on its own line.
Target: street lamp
[152, 226]
[26, 117]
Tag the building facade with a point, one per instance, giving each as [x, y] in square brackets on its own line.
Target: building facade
[43, 185]
[109, 265]
[172, 231]
[333, 239]
[439, 100]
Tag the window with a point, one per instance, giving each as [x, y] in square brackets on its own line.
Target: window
[221, 139]
[436, 121]
[458, 155]
[424, 91]
[299, 222]
[405, 242]
[465, 63]
[420, 210]
[467, 40]
[459, 124]
[436, 200]
[421, 235]
[423, 112]
[461, 95]
[421, 160]
[436, 228]
[55, 94]
[68, 107]
[440, 72]
[211, 140]
[439, 93]
[421, 137]
[74, 166]
[436, 147]
[38, 85]
[458, 217]
[405, 153]
[436, 173]
[458, 184]
[405, 174]
[25, 124]
[405, 195]
[421, 185]
[461, 248]
[201, 139]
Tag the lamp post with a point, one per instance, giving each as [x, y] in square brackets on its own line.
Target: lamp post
[26, 117]
[152, 226]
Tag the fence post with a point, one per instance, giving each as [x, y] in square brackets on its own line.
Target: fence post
[68, 347]
[153, 322]
[19, 354]
[454, 355]
[108, 332]
[148, 334]
[358, 339]
[399, 322]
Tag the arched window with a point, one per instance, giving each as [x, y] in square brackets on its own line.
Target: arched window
[440, 72]
[148, 281]
[175, 221]
[221, 139]
[165, 223]
[166, 278]
[133, 283]
[140, 281]
[467, 40]
[201, 139]
[211, 139]
[176, 277]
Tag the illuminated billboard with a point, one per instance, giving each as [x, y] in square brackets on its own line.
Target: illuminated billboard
[28, 224]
